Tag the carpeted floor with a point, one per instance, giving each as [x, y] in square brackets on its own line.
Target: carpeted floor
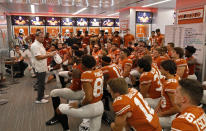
[22, 114]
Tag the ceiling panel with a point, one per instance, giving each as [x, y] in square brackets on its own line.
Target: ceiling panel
[95, 7]
[35, 1]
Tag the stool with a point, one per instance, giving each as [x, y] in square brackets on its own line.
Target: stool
[11, 62]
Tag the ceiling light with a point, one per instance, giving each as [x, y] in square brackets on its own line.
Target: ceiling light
[156, 3]
[100, 3]
[87, 3]
[32, 9]
[73, 2]
[112, 3]
[79, 11]
[95, 6]
[113, 14]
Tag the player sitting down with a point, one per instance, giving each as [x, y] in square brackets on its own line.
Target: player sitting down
[131, 110]
[187, 97]
[91, 107]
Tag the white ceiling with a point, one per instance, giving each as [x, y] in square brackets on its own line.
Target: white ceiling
[95, 7]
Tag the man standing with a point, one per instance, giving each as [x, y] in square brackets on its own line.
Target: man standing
[40, 65]
[187, 97]
[117, 39]
[152, 39]
[159, 38]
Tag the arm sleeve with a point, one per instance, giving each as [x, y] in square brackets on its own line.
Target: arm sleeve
[170, 87]
[35, 51]
[182, 125]
[145, 79]
[86, 77]
[121, 107]
[128, 62]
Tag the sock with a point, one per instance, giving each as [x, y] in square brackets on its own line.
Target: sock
[56, 103]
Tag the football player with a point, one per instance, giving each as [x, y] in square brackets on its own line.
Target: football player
[166, 108]
[125, 64]
[91, 107]
[73, 92]
[150, 80]
[187, 97]
[131, 110]
[182, 67]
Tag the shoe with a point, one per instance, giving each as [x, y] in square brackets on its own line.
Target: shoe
[52, 121]
[18, 75]
[106, 119]
[3, 101]
[42, 101]
[84, 126]
[46, 96]
[33, 75]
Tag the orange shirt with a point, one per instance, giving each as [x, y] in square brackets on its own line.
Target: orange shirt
[116, 40]
[141, 51]
[160, 59]
[152, 40]
[170, 53]
[86, 39]
[62, 52]
[153, 78]
[49, 59]
[191, 119]
[162, 77]
[132, 56]
[169, 86]
[114, 55]
[191, 67]
[143, 117]
[103, 39]
[182, 62]
[96, 56]
[76, 83]
[96, 79]
[159, 39]
[47, 41]
[128, 38]
[96, 53]
[124, 62]
[113, 71]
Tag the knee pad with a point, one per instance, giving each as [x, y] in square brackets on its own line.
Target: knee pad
[53, 93]
[64, 74]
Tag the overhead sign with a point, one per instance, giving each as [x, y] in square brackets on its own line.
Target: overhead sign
[190, 16]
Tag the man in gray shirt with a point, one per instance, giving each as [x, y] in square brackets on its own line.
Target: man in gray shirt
[40, 65]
